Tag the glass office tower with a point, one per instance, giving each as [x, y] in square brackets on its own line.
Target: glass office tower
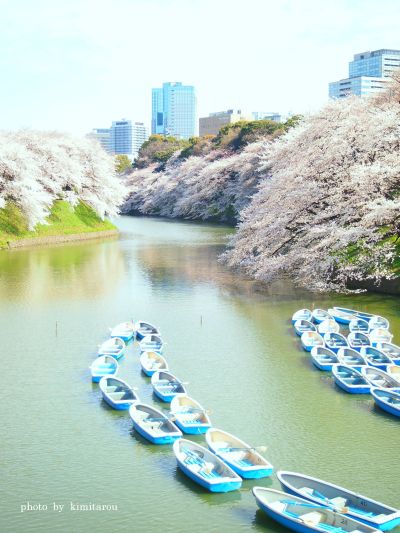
[121, 137]
[174, 110]
[369, 73]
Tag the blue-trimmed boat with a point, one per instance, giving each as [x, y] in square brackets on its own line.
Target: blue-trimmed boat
[341, 316]
[151, 343]
[204, 467]
[145, 328]
[335, 341]
[394, 371]
[387, 400]
[301, 326]
[353, 313]
[379, 378]
[166, 386]
[349, 357]
[375, 357]
[152, 362]
[350, 380]
[105, 365]
[153, 425]
[379, 335]
[378, 322]
[328, 326]
[323, 358]
[353, 505]
[357, 340]
[392, 350]
[319, 315]
[302, 314]
[358, 324]
[125, 331]
[304, 516]
[309, 339]
[189, 415]
[114, 347]
[117, 393]
[245, 460]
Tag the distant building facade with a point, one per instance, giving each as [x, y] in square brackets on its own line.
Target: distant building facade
[215, 121]
[369, 73]
[121, 137]
[266, 115]
[102, 136]
[174, 110]
[140, 134]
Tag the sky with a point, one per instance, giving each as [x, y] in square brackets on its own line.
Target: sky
[73, 65]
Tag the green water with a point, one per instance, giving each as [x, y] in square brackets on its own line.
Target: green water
[230, 338]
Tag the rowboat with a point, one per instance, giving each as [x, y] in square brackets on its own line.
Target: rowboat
[105, 365]
[323, 358]
[303, 516]
[350, 380]
[380, 335]
[189, 415]
[334, 341]
[166, 385]
[357, 340]
[145, 328]
[343, 317]
[394, 371]
[124, 331]
[152, 362]
[114, 346]
[355, 506]
[375, 357]
[153, 425]
[302, 314]
[379, 378]
[319, 315]
[151, 343]
[205, 468]
[349, 357]
[309, 339]
[358, 324]
[378, 322]
[245, 460]
[328, 326]
[354, 313]
[117, 393]
[300, 326]
[387, 400]
[391, 350]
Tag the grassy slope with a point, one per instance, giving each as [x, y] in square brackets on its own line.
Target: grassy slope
[63, 220]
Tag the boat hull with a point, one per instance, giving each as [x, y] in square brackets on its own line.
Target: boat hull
[120, 406]
[192, 429]
[257, 473]
[167, 398]
[326, 367]
[286, 522]
[165, 439]
[225, 486]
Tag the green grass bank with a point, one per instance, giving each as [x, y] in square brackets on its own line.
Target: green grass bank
[63, 220]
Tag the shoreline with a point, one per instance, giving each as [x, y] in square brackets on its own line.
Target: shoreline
[59, 239]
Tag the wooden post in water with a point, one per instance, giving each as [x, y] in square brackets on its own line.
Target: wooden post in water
[56, 328]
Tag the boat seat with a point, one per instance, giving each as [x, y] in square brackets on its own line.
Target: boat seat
[277, 506]
[338, 501]
[313, 518]
[307, 491]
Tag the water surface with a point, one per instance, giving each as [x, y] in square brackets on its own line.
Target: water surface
[229, 337]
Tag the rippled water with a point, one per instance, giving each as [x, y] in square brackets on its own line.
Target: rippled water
[229, 337]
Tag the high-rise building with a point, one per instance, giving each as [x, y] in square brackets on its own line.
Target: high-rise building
[369, 73]
[121, 137]
[215, 121]
[101, 135]
[139, 136]
[174, 110]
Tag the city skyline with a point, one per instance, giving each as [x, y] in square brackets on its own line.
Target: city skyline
[60, 72]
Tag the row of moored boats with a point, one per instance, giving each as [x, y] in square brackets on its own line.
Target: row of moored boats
[363, 361]
[305, 504]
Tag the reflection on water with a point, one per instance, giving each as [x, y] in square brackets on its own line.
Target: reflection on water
[68, 271]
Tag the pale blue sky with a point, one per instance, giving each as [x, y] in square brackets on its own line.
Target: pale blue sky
[76, 64]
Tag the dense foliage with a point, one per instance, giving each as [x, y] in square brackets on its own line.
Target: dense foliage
[38, 168]
[328, 210]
